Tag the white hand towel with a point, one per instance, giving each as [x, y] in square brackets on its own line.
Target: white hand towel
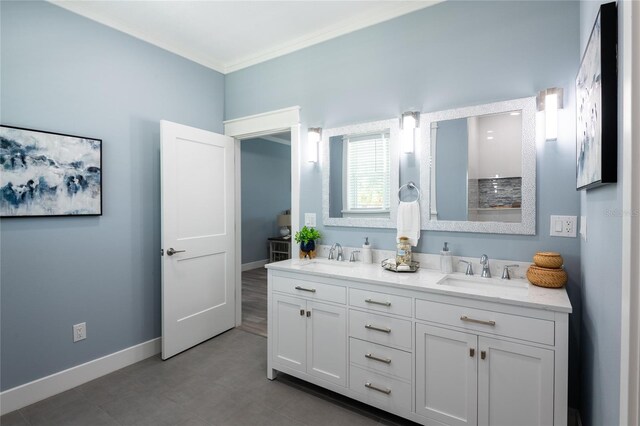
[409, 221]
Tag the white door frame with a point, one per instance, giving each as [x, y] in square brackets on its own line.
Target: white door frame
[630, 318]
[287, 119]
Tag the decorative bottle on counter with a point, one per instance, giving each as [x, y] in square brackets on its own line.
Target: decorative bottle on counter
[367, 256]
[446, 260]
[403, 252]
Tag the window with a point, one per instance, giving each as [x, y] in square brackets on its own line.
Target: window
[367, 173]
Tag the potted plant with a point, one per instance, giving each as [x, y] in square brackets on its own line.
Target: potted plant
[307, 238]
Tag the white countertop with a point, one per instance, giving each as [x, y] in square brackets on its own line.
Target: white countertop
[517, 292]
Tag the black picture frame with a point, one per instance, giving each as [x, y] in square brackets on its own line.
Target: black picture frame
[597, 104]
[13, 155]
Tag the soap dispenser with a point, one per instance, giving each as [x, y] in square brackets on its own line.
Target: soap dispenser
[367, 256]
[446, 260]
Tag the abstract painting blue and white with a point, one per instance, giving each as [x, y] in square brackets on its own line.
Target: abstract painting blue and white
[48, 174]
[589, 104]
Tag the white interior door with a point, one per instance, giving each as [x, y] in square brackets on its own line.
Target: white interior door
[198, 282]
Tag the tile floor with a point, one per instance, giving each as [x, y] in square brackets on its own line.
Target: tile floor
[220, 382]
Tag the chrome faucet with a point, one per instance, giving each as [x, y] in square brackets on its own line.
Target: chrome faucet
[505, 271]
[469, 270]
[332, 252]
[484, 261]
[353, 258]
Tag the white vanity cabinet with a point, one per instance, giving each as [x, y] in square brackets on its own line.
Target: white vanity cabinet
[431, 356]
[310, 337]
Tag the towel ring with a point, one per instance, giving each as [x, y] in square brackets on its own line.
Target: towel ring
[410, 185]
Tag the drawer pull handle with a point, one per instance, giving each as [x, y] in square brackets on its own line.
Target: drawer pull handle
[310, 290]
[483, 354]
[375, 388]
[301, 312]
[373, 327]
[472, 352]
[375, 358]
[477, 321]
[375, 302]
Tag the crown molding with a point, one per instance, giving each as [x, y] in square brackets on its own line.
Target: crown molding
[84, 9]
[391, 11]
[386, 14]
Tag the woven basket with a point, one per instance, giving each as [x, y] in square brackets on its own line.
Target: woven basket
[548, 259]
[546, 277]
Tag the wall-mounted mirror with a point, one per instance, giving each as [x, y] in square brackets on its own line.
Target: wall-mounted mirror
[481, 171]
[360, 175]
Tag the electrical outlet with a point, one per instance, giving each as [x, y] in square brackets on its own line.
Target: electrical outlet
[79, 332]
[310, 219]
[563, 226]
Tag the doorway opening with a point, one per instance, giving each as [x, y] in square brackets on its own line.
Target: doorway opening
[265, 182]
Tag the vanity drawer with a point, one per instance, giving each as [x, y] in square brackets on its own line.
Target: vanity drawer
[311, 290]
[380, 358]
[518, 327]
[380, 391]
[380, 329]
[383, 302]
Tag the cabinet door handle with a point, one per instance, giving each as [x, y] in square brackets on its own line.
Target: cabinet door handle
[472, 352]
[376, 388]
[375, 358]
[310, 290]
[477, 321]
[483, 354]
[308, 314]
[373, 327]
[375, 302]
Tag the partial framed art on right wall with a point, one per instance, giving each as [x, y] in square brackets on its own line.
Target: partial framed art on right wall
[597, 104]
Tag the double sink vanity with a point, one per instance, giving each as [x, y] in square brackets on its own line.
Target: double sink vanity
[441, 349]
[438, 349]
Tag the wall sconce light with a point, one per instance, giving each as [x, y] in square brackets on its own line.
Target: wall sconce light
[409, 123]
[549, 101]
[313, 137]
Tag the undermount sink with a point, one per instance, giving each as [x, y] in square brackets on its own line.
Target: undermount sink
[327, 262]
[485, 284]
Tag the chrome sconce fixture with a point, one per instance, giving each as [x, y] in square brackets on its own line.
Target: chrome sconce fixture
[409, 122]
[550, 101]
[313, 138]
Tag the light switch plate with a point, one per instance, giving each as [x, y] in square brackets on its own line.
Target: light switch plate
[583, 228]
[310, 219]
[563, 226]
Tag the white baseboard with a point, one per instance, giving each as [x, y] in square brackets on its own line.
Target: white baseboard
[29, 393]
[254, 265]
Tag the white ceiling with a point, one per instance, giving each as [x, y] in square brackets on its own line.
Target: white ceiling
[231, 35]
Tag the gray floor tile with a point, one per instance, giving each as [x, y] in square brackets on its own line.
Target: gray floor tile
[13, 419]
[219, 382]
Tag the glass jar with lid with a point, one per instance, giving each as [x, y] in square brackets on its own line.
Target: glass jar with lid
[403, 252]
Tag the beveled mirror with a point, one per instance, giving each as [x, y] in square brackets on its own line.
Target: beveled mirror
[360, 175]
[480, 168]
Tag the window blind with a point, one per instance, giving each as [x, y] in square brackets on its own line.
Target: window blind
[368, 172]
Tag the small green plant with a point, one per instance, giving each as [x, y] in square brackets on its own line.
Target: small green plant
[307, 234]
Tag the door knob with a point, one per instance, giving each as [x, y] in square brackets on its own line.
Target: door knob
[171, 251]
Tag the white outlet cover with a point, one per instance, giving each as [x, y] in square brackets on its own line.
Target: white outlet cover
[79, 332]
[563, 226]
[310, 219]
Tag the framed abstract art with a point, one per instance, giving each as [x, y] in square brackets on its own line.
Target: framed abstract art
[49, 174]
[597, 104]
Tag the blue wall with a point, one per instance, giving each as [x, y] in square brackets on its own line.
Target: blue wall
[65, 73]
[449, 55]
[452, 163]
[601, 273]
[266, 193]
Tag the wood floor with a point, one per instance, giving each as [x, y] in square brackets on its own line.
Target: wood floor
[254, 301]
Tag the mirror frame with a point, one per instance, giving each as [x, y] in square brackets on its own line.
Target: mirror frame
[528, 224]
[374, 126]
